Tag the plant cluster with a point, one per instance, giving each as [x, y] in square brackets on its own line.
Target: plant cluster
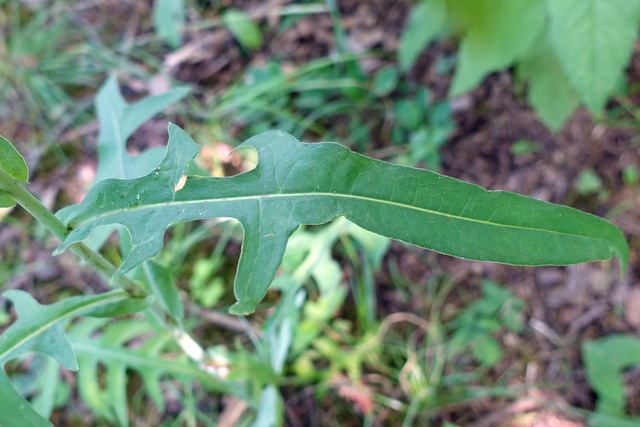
[310, 225]
[569, 51]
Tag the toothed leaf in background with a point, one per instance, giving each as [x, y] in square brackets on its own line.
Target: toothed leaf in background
[499, 32]
[12, 163]
[296, 183]
[594, 41]
[550, 93]
[426, 20]
[118, 121]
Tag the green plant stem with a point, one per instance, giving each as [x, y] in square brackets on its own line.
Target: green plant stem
[40, 212]
[58, 229]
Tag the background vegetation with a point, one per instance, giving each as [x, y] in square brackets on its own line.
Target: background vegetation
[385, 334]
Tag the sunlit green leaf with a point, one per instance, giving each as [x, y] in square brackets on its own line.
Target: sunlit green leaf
[498, 33]
[594, 41]
[550, 92]
[296, 183]
[426, 21]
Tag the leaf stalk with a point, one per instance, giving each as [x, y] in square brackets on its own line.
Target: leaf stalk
[40, 212]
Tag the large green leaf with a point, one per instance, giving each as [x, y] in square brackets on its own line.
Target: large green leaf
[118, 121]
[296, 183]
[41, 327]
[12, 163]
[594, 40]
[15, 410]
[498, 33]
[550, 92]
[426, 21]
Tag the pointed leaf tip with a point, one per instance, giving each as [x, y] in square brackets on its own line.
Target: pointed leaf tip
[298, 183]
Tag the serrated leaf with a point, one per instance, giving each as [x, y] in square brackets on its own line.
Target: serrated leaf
[118, 121]
[244, 30]
[296, 183]
[594, 40]
[426, 20]
[550, 92]
[41, 327]
[15, 410]
[498, 33]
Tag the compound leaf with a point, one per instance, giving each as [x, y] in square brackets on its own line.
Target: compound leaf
[297, 183]
[594, 40]
[499, 32]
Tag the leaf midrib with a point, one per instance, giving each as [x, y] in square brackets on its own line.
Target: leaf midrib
[57, 319]
[322, 194]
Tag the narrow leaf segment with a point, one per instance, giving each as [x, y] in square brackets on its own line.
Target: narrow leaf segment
[41, 327]
[12, 163]
[298, 183]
